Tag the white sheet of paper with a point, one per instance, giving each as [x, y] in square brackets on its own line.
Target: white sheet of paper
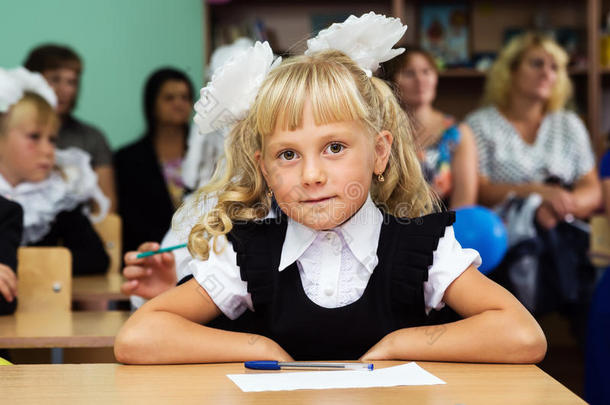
[405, 374]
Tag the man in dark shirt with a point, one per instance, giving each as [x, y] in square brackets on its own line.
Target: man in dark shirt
[62, 67]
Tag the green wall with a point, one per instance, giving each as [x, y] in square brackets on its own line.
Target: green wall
[120, 41]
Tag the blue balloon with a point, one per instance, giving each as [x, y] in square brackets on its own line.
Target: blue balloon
[481, 229]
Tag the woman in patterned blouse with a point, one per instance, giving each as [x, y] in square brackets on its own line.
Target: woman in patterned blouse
[527, 143]
[537, 168]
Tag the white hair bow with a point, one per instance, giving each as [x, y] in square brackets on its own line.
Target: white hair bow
[228, 96]
[368, 39]
[14, 82]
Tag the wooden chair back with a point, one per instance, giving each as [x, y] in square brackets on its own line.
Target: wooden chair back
[110, 231]
[44, 279]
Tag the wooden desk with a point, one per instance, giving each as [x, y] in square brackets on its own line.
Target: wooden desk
[201, 384]
[98, 288]
[61, 329]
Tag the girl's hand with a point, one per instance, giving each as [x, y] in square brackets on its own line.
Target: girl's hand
[149, 276]
[381, 350]
[8, 283]
[272, 350]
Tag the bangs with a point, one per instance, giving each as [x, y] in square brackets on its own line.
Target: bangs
[32, 107]
[329, 86]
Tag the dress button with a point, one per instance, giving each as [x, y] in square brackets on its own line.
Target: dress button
[329, 236]
[329, 291]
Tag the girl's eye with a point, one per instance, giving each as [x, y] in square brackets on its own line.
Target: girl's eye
[537, 63]
[287, 155]
[35, 136]
[335, 148]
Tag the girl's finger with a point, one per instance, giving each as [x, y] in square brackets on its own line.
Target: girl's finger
[168, 259]
[132, 257]
[10, 279]
[6, 292]
[133, 272]
[129, 287]
[148, 246]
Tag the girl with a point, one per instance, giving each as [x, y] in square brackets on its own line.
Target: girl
[51, 186]
[448, 152]
[334, 269]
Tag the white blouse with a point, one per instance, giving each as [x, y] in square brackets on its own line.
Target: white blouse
[335, 266]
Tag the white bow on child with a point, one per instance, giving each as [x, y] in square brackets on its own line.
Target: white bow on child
[368, 40]
[14, 82]
[228, 96]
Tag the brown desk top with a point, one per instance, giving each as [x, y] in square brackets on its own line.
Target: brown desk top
[60, 329]
[99, 287]
[199, 384]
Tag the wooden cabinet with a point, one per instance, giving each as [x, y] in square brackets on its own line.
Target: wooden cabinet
[288, 25]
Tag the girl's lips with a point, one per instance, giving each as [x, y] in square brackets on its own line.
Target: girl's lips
[318, 200]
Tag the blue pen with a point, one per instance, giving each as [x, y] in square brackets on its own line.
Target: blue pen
[280, 365]
[154, 252]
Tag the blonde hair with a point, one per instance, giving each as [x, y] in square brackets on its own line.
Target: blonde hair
[30, 106]
[499, 79]
[339, 91]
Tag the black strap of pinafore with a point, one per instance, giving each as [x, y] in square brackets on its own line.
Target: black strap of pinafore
[413, 242]
[258, 246]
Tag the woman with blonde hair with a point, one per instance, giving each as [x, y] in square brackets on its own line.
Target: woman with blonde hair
[535, 160]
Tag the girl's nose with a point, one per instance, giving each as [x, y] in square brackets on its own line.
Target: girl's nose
[313, 172]
[48, 148]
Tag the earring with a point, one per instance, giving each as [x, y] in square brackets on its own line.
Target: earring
[269, 193]
[380, 178]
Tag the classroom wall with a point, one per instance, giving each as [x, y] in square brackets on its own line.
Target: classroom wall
[120, 41]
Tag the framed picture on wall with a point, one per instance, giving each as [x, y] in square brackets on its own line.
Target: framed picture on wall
[444, 32]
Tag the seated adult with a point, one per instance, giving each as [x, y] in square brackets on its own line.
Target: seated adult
[147, 278]
[148, 171]
[447, 150]
[537, 168]
[62, 68]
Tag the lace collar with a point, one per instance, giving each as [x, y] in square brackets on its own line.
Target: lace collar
[73, 184]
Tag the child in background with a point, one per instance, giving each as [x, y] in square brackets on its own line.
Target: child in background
[317, 227]
[53, 187]
[11, 227]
